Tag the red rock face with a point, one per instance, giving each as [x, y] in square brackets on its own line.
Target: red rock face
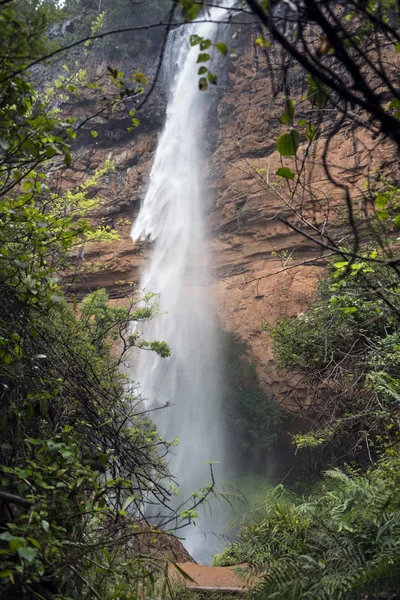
[254, 276]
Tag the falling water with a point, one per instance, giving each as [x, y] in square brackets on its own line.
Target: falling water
[172, 218]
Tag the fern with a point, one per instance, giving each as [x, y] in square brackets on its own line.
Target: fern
[341, 543]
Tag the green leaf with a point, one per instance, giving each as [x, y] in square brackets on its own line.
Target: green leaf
[341, 264]
[397, 222]
[396, 105]
[16, 543]
[94, 133]
[43, 406]
[203, 85]
[203, 57]
[288, 114]
[27, 553]
[222, 48]
[205, 44]
[30, 411]
[30, 146]
[262, 42]
[311, 132]
[288, 143]
[212, 78]
[202, 70]
[185, 575]
[285, 172]
[51, 151]
[381, 201]
[195, 39]
[128, 502]
[67, 159]
[317, 92]
[382, 214]
[45, 525]
[191, 14]
[190, 9]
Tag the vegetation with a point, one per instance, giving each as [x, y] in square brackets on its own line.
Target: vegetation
[340, 541]
[252, 417]
[79, 458]
[342, 56]
[336, 77]
[345, 350]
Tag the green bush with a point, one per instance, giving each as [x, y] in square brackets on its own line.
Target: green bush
[341, 542]
[79, 458]
[252, 416]
[345, 351]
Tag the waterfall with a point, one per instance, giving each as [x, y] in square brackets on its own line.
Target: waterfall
[172, 218]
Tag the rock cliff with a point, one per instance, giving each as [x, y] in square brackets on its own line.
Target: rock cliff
[261, 269]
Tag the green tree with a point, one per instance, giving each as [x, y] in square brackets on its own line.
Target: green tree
[79, 457]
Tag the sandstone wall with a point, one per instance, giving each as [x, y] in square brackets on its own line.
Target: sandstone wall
[253, 255]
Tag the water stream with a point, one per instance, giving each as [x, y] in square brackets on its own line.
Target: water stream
[172, 218]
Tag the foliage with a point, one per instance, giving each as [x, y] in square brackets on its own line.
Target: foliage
[230, 556]
[340, 542]
[346, 42]
[28, 133]
[345, 350]
[79, 458]
[252, 416]
[77, 455]
[247, 503]
[206, 76]
[331, 67]
[288, 143]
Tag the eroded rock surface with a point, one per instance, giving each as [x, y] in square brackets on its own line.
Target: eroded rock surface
[254, 256]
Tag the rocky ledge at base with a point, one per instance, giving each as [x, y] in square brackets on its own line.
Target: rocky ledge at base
[208, 580]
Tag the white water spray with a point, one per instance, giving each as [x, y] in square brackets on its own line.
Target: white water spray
[172, 218]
